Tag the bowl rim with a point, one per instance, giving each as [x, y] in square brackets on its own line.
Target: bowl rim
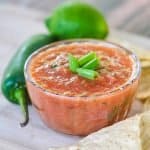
[134, 76]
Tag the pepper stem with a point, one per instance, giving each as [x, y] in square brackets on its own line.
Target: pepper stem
[20, 95]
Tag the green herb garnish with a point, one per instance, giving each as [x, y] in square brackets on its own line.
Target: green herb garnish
[85, 66]
[87, 73]
[73, 63]
[93, 64]
[86, 58]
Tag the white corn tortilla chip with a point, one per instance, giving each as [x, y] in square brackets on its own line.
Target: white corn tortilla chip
[129, 134]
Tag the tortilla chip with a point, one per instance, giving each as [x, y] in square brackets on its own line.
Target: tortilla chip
[145, 57]
[144, 86]
[147, 104]
[130, 134]
[145, 130]
[145, 63]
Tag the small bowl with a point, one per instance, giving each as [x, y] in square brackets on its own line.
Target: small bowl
[79, 115]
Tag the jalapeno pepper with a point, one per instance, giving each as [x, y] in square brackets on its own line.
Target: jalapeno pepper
[13, 81]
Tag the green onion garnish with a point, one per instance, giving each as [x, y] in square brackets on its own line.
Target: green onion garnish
[73, 63]
[93, 64]
[86, 58]
[87, 73]
[85, 66]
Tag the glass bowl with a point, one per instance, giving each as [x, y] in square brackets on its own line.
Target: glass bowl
[79, 115]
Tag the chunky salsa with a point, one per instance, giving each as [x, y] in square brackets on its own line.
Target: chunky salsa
[49, 69]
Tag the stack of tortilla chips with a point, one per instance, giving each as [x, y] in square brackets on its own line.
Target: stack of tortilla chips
[143, 92]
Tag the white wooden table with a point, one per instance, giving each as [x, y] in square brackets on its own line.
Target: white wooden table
[16, 25]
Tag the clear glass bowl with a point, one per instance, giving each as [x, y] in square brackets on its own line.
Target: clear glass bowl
[82, 115]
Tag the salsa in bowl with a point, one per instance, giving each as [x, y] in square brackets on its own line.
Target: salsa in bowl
[73, 104]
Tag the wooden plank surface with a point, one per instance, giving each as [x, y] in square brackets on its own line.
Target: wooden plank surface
[16, 25]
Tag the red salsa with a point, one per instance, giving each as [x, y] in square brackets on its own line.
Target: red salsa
[50, 70]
